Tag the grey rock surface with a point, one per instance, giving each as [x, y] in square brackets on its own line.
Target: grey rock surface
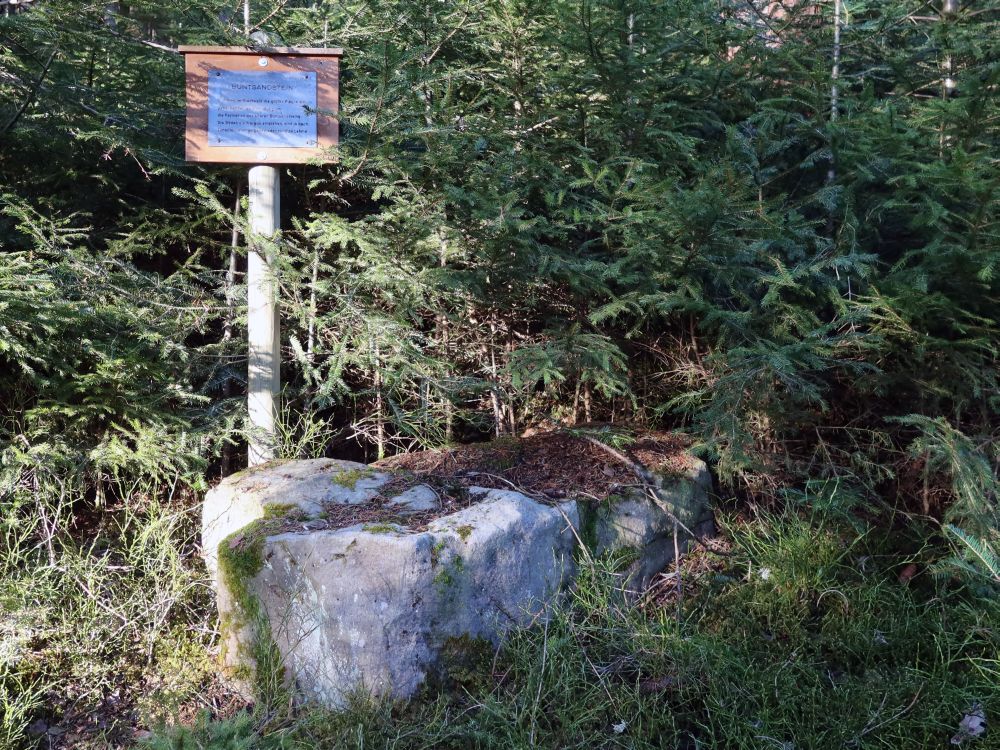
[281, 486]
[356, 608]
[415, 499]
[686, 494]
[640, 529]
[379, 607]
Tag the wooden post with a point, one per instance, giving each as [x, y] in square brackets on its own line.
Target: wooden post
[264, 365]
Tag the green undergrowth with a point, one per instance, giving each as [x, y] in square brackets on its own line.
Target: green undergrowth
[804, 636]
[101, 633]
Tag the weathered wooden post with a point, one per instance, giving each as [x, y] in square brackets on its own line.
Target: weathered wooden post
[261, 107]
[263, 331]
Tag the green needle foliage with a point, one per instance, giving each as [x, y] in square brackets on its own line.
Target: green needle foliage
[697, 215]
[702, 215]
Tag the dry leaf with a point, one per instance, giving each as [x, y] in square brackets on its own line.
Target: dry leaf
[907, 573]
[973, 725]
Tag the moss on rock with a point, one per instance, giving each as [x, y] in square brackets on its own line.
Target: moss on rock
[351, 477]
[280, 511]
[251, 470]
[465, 660]
[449, 573]
[258, 663]
[379, 528]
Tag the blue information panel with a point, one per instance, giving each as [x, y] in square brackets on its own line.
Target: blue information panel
[250, 108]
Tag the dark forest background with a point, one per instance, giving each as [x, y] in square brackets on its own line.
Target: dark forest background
[773, 228]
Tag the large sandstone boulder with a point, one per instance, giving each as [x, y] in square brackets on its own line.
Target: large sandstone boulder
[316, 604]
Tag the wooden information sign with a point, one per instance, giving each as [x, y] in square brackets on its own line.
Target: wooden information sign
[273, 106]
[261, 108]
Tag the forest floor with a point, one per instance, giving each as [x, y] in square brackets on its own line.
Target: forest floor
[550, 464]
[805, 627]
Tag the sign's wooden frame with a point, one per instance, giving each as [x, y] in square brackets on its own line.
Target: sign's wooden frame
[200, 61]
